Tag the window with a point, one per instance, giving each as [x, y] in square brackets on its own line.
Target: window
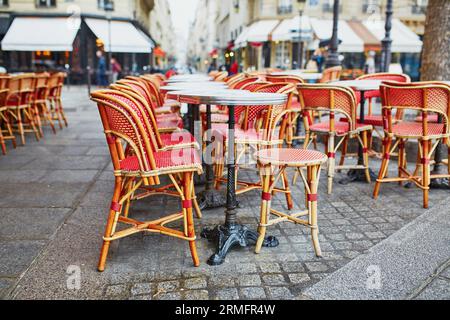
[284, 6]
[104, 4]
[328, 6]
[4, 3]
[420, 7]
[46, 3]
[282, 56]
[371, 6]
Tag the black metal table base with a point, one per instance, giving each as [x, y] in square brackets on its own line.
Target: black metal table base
[358, 176]
[440, 168]
[228, 237]
[210, 199]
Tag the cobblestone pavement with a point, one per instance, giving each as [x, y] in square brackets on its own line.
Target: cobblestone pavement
[54, 201]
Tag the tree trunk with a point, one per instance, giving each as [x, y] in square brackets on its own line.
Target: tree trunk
[436, 52]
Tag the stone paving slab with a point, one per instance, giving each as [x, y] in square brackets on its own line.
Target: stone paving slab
[152, 267]
[397, 266]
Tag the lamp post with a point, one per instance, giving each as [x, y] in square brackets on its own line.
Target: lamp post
[333, 56]
[387, 41]
[109, 8]
[300, 42]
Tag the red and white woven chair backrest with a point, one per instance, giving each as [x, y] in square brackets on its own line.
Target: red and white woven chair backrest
[122, 119]
[329, 99]
[425, 97]
[140, 102]
[286, 79]
[241, 83]
[331, 74]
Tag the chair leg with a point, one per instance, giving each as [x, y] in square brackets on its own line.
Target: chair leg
[37, 119]
[401, 159]
[313, 185]
[187, 190]
[198, 212]
[2, 142]
[384, 167]
[289, 201]
[20, 126]
[366, 155]
[63, 114]
[425, 172]
[331, 163]
[48, 117]
[110, 225]
[344, 152]
[265, 208]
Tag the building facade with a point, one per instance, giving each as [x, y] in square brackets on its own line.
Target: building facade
[32, 32]
[261, 33]
[161, 29]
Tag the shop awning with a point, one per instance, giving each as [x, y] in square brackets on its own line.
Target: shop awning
[125, 37]
[288, 30]
[41, 34]
[403, 39]
[370, 41]
[323, 30]
[260, 31]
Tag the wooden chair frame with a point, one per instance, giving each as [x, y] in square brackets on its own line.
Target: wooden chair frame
[334, 140]
[20, 105]
[127, 183]
[271, 174]
[426, 145]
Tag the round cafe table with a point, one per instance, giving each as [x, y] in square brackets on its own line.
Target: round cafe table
[231, 233]
[362, 86]
[201, 85]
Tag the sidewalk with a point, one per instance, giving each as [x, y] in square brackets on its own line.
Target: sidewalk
[54, 201]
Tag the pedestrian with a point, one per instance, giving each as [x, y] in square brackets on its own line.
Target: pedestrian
[116, 69]
[234, 69]
[319, 59]
[102, 80]
[370, 63]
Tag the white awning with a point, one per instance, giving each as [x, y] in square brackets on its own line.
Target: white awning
[241, 40]
[403, 39]
[124, 36]
[288, 29]
[257, 32]
[41, 34]
[351, 42]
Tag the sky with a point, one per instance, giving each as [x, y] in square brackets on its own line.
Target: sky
[183, 14]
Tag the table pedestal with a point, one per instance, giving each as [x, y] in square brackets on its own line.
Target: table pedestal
[209, 198]
[231, 233]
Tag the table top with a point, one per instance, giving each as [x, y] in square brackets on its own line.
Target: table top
[300, 73]
[360, 85]
[193, 86]
[230, 97]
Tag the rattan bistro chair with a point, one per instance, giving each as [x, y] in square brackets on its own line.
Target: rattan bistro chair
[123, 121]
[40, 99]
[273, 164]
[331, 74]
[425, 97]
[20, 105]
[6, 133]
[333, 100]
[55, 86]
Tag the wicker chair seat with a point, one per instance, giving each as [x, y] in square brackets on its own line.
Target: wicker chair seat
[341, 128]
[167, 161]
[290, 157]
[415, 129]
